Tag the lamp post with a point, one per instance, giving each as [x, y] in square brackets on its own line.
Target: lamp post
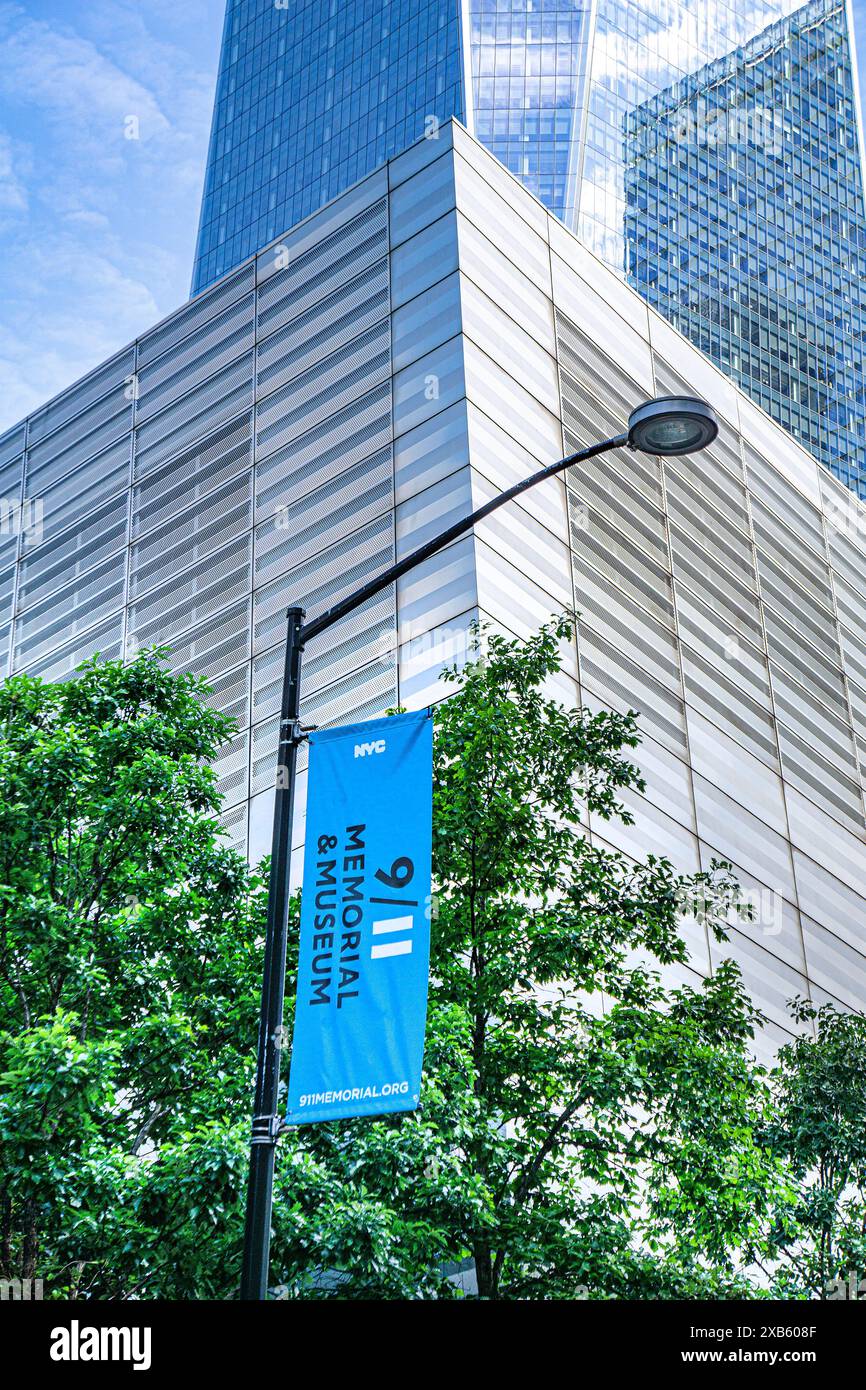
[669, 425]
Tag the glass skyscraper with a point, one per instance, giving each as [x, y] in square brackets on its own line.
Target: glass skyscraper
[744, 224]
[712, 155]
[311, 95]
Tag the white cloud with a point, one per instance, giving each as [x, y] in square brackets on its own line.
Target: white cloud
[82, 90]
[96, 231]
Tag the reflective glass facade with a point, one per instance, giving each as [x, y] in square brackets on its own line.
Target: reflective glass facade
[529, 64]
[312, 95]
[744, 224]
[433, 336]
[710, 154]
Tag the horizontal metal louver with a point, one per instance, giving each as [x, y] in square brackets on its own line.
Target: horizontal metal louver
[77, 550]
[324, 579]
[192, 475]
[45, 466]
[195, 415]
[620, 682]
[229, 337]
[328, 387]
[317, 458]
[588, 366]
[78, 606]
[364, 694]
[62, 661]
[98, 397]
[316, 273]
[192, 319]
[322, 518]
[189, 537]
[186, 600]
[722, 699]
[12, 445]
[620, 561]
[328, 658]
[600, 490]
[214, 646]
[328, 326]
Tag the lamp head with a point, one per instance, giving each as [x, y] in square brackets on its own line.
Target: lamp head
[672, 425]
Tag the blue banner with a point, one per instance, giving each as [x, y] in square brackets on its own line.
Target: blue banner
[365, 921]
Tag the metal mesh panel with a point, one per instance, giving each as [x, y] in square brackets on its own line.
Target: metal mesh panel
[631, 631]
[193, 319]
[325, 578]
[822, 781]
[820, 675]
[625, 566]
[7, 588]
[805, 564]
[800, 711]
[74, 608]
[216, 645]
[327, 387]
[234, 824]
[364, 694]
[87, 488]
[192, 475]
[80, 548]
[196, 414]
[314, 274]
[46, 464]
[709, 636]
[103, 391]
[234, 827]
[723, 701]
[325, 516]
[588, 366]
[232, 769]
[11, 516]
[189, 537]
[788, 504]
[230, 694]
[11, 444]
[228, 337]
[321, 456]
[621, 683]
[64, 660]
[701, 573]
[185, 600]
[329, 325]
[605, 492]
[331, 656]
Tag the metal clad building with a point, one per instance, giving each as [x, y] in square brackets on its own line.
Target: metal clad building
[427, 338]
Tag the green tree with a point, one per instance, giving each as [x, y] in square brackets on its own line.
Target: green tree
[587, 1125]
[594, 1127]
[817, 1125]
[128, 984]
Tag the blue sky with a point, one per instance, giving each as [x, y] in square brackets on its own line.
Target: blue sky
[97, 230]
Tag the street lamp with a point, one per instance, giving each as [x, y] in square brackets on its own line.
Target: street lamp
[669, 425]
[672, 425]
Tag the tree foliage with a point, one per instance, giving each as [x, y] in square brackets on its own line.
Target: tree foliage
[591, 1122]
[816, 1245]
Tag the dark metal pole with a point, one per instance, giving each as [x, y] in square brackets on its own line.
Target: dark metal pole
[266, 1123]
